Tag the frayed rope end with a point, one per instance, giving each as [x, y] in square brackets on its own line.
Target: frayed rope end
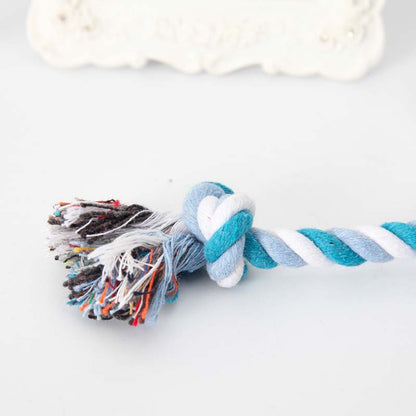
[123, 261]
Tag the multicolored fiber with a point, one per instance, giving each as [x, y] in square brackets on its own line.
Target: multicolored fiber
[124, 261]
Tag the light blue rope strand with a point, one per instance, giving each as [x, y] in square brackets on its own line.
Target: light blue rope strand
[362, 245]
[193, 199]
[183, 253]
[277, 249]
[225, 264]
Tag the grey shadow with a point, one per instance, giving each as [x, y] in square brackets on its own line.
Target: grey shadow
[400, 28]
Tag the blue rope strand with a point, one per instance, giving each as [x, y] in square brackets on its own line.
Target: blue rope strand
[362, 245]
[256, 254]
[333, 247]
[227, 235]
[405, 232]
[277, 249]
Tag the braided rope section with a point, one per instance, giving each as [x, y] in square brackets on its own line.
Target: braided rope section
[126, 262]
[222, 220]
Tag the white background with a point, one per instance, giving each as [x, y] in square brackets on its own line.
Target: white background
[310, 152]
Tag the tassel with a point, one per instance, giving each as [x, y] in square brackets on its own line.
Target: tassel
[123, 260]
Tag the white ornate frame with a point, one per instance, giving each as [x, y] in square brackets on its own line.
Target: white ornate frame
[339, 39]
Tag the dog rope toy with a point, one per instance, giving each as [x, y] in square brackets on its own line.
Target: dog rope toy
[124, 261]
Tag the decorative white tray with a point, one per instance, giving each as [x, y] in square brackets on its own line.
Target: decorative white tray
[339, 39]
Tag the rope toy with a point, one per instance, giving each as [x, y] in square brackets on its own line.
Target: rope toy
[124, 261]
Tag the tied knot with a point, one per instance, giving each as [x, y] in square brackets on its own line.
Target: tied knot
[220, 219]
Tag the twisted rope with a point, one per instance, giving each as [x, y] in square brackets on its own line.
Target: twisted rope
[125, 261]
[222, 220]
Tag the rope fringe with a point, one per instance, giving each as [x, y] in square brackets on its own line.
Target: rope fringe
[123, 261]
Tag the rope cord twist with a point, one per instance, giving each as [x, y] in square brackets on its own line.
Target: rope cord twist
[222, 221]
[126, 261]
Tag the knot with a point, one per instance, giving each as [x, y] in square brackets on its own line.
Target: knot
[220, 219]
